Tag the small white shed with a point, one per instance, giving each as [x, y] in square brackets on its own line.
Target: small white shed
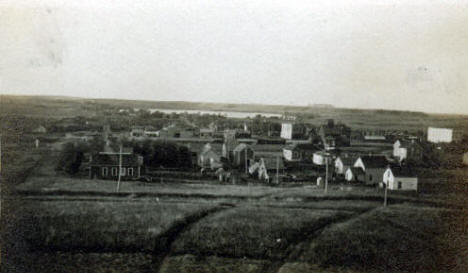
[400, 178]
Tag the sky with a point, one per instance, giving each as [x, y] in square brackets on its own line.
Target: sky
[355, 54]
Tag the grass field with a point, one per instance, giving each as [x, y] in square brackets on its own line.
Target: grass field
[400, 238]
[260, 235]
[253, 231]
[102, 226]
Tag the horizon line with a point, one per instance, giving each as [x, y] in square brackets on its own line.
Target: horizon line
[310, 105]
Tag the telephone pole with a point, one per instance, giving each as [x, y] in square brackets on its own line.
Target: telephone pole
[0, 154]
[326, 174]
[120, 168]
[246, 169]
[385, 194]
[277, 169]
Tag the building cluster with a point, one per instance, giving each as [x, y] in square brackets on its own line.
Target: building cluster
[325, 151]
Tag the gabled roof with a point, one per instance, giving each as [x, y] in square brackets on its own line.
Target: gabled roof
[374, 161]
[210, 153]
[356, 171]
[348, 160]
[402, 171]
[241, 147]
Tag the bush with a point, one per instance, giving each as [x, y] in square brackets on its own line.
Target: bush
[71, 158]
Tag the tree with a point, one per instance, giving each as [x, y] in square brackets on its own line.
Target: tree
[71, 158]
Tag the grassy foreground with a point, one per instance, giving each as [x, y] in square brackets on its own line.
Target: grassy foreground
[102, 226]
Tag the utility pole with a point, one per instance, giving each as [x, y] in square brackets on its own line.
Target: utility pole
[245, 161]
[326, 174]
[385, 195]
[1, 182]
[0, 154]
[120, 168]
[277, 169]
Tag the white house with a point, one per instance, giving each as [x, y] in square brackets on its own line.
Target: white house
[399, 151]
[343, 162]
[398, 178]
[353, 174]
[438, 135]
[286, 130]
[209, 158]
[407, 149]
[319, 158]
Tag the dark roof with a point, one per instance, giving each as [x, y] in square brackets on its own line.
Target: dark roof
[210, 153]
[348, 160]
[268, 154]
[113, 160]
[271, 162]
[402, 171]
[357, 171]
[335, 130]
[303, 146]
[267, 148]
[374, 161]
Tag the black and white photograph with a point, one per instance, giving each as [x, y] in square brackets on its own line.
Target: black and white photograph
[233, 136]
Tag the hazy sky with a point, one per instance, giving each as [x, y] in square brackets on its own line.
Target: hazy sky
[391, 55]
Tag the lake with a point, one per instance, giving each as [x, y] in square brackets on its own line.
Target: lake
[229, 114]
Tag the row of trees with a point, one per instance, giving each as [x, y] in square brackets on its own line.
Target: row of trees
[163, 154]
[156, 154]
[446, 156]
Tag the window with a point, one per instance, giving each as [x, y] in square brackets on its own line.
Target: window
[399, 185]
[104, 171]
[122, 171]
[370, 177]
[114, 171]
[130, 171]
